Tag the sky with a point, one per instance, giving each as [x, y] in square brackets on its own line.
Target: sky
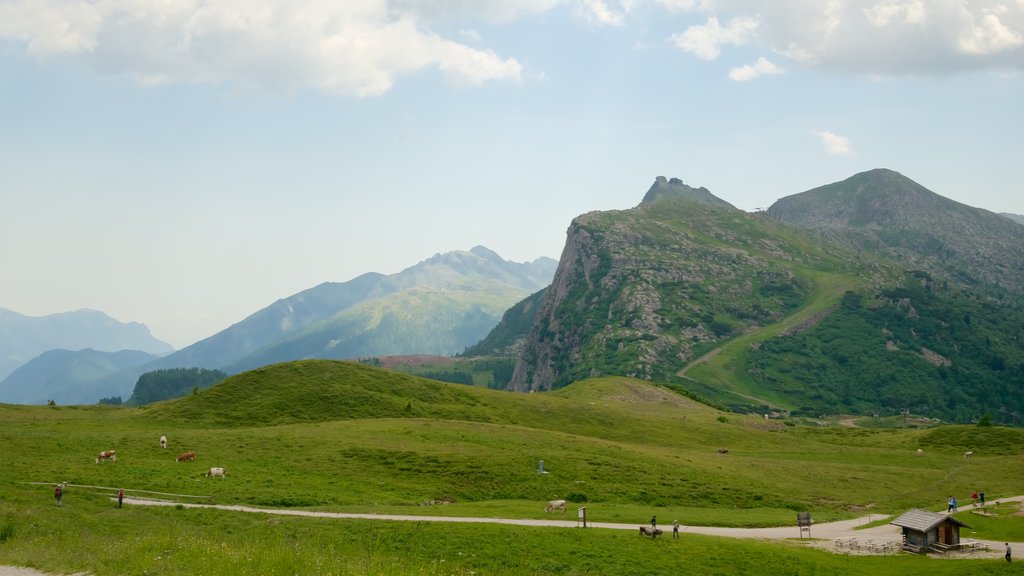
[185, 163]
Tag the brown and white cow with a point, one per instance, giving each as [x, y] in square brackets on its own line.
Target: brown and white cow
[107, 455]
[555, 505]
[212, 472]
[163, 441]
[187, 456]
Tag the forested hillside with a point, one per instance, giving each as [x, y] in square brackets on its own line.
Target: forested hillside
[930, 350]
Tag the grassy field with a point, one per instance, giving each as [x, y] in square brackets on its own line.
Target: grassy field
[335, 436]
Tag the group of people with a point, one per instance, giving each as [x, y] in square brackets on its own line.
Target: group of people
[58, 494]
[675, 525]
[978, 497]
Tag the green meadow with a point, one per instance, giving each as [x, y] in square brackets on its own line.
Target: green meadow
[337, 436]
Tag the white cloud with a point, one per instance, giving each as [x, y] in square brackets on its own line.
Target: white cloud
[885, 13]
[684, 5]
[706, 41]
[762, 67]
[873, 37]
[835, 144]
[597, 12]
[471, 35]
[357, 47]
[990, 36]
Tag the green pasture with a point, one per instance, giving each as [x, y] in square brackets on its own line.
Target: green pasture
[337, 436]
[1000, 522]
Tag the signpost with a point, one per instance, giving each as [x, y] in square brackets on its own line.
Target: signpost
[803, 520]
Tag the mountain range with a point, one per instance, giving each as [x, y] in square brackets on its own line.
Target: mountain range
[439, 306]
[870, 295]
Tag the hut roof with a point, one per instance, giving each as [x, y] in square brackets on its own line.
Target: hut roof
[923, 521]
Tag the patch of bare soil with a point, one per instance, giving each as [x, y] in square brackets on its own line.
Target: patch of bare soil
[22, 571]
[650, 394]
[413, 360]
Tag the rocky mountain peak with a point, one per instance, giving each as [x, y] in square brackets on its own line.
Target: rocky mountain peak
[675, 188]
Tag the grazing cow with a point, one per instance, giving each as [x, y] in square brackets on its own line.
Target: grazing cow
[650, 531]
[163, 441]
[920, 452]
[106, 455]
[187, 457]
[215, 472]
[555, 505]
[723, 450]
[968, 454]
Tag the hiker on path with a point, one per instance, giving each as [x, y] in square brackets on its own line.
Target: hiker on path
[654, 522]
[120, 497]
[58, 493]
[955, 509]
[949, 504]
[675, 529]
[1008, 552]
[981, 497]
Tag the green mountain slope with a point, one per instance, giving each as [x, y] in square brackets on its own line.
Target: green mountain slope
[643, 292]
[914, 347]
[478, 271]
[884, 212]
[441, 305]
[421, 320]
[751, 313]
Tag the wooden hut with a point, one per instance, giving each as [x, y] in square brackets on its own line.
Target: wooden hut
[927, 531]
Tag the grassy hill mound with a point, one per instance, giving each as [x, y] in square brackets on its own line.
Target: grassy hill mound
[321, 391]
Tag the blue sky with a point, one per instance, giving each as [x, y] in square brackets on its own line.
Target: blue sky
[184, 163]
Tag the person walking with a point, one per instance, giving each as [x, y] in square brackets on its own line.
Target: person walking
[654, 521]
[1008, 552]
[949, 504]
[981, 497]
[58, 494]
[120, 497]
[955, 509]
[675, 529]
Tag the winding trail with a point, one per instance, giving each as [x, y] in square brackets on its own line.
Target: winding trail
[823, 535]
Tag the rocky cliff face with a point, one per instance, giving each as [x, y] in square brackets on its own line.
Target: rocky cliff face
[639, 292]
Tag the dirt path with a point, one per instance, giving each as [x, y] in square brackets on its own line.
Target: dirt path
[823, 535]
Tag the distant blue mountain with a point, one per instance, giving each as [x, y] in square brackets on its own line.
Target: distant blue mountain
[1019, 219]
[22, 338]
[66, 376]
